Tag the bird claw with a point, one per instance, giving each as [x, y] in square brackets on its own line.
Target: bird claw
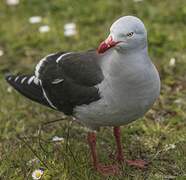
[108, 170]
[137, 163]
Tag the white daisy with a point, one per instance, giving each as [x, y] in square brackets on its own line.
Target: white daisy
[12, 2]
[172, 62]
[69, 26]
[44, 29]
[70, 29]
[37, 174]
[35, 19]
[58, 139]
[170, 146]
[1, 52]
[9, 89]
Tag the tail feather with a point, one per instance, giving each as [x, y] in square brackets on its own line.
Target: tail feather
[27, 86]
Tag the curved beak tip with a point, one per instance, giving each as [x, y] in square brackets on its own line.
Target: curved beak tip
[107, 44]
[102, 47]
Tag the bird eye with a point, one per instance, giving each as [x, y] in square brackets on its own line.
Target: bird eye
[130, 34]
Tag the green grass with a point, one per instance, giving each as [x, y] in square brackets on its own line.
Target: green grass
[148, 138]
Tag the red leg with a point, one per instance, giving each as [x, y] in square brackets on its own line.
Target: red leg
[103, 169]
[137, 163]
[92, 143]
[117, 134]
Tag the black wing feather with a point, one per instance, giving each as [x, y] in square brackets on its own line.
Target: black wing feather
[82, 68]
[80, 73]
[29, 90]
[64, 84]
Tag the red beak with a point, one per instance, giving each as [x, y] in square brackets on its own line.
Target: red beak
[107, 44]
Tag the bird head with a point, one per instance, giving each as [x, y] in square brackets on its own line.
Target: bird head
[126, 33]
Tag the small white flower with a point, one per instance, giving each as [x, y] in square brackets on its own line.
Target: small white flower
[69, 26]
[37, 174]
[170, 146]
[12, 2]
[172, 62]
[70, 32]
[70, 29]
[58, 139]
[1, 52]
[9, 89]
[44, 29]
[35, 19]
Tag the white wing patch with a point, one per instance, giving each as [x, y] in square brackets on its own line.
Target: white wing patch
[36, 80]
[60, 57]
[46, 97]
[31, 79]
[56, 81]
[22, 81]
[16, 78]
[38, 66]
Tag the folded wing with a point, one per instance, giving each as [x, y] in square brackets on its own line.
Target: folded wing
[65, 80]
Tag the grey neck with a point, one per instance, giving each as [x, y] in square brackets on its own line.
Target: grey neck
[142, 48]
[115, 61]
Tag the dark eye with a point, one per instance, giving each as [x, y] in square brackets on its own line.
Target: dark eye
[130, 34]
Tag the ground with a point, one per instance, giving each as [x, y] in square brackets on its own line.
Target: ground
[26, 142]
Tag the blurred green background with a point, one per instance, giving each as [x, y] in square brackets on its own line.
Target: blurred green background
[160, 137]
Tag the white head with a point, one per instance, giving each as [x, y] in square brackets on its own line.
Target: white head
[126, 33]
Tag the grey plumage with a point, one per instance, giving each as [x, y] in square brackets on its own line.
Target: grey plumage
[109, 89]
[127, 92]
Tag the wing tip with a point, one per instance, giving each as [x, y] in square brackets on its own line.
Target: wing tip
[26, 86]
[9, 77]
